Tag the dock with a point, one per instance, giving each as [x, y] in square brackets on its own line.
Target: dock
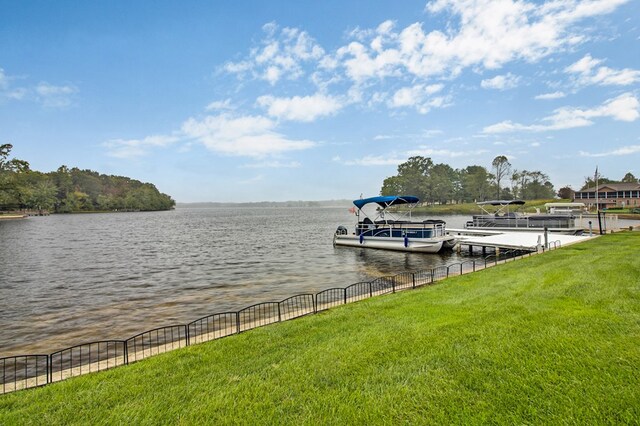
[509, 240]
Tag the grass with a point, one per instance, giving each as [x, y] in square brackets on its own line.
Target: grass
[551, 339]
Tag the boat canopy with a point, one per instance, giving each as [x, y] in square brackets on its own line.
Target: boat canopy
[387, 200]
[501, 203]
[566, 205]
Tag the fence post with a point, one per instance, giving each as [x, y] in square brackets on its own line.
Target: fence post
[393, 284]
[431, 282]
[49, 369]
[474, 265]
[413, 280]
[279, 314]
[370, 289]
[314, 300]
[345, 296]
[238, 322]
[461, 269]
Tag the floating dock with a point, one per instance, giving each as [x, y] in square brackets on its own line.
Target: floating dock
[509, 240]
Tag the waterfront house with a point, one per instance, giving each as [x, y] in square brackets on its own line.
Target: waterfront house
[611, 195]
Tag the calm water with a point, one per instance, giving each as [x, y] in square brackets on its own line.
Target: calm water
[70, 279]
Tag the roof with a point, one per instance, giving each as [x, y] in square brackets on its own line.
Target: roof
[614, 187]
[501, 203]
[387, 200]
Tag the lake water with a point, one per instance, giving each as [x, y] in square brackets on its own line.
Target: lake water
[70, 279]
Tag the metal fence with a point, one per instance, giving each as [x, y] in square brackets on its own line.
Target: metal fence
[28, 371]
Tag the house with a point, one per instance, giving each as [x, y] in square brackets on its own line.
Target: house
[611, 195]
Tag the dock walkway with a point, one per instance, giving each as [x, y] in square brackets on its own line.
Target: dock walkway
[513, 240]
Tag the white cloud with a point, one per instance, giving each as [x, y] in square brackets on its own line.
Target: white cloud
[587, 72]
[220, 105]
[419, 97]
[130, 148]
[252, 180]
[426, 134]
[53, 96]
[273, 165]
[372, 160]
[625, 150]
[625, 107]
[552, 95]
[429, 152]
[281, 55]
[393, 159]
[4, 80]
[300, 108]
[501, 82]
[251, 136]
[482, 33]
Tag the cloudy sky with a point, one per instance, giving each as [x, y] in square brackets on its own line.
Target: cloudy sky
[304, 100]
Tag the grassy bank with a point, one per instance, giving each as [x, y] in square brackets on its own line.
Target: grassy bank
[554, 338]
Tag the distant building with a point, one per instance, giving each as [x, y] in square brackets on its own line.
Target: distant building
[611, 195]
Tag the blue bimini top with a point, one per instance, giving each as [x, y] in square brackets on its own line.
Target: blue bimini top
[387, 200]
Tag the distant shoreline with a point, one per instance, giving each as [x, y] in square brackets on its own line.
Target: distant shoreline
[12, 216]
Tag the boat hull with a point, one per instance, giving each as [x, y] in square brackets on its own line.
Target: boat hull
[431, 245]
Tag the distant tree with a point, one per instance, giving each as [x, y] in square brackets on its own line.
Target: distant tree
[10, 170]
[411, 178]
[629, 178]
[391, 186]
[13, 165]
[590, 183]
[502, 167]
[566, 193]
[475, 183]
[441, 184]
[538, 187]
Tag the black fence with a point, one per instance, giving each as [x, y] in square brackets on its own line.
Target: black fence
[28, 371]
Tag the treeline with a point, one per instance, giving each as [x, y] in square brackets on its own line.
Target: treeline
[73, 190]
[440, 183]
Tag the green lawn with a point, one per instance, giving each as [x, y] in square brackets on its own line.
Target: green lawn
[550, 339]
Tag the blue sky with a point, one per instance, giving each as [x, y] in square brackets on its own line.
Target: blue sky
[309, 100]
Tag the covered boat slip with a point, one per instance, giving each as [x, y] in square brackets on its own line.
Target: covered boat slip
[562, 221]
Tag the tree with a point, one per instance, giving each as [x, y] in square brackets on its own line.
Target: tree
[590, 183]
[538, 186]
[629, 178]
[391, 186]
[411, 178]
[502, 168]
[441, 184]
[9, 171]
[475, 183]
[566, 193]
